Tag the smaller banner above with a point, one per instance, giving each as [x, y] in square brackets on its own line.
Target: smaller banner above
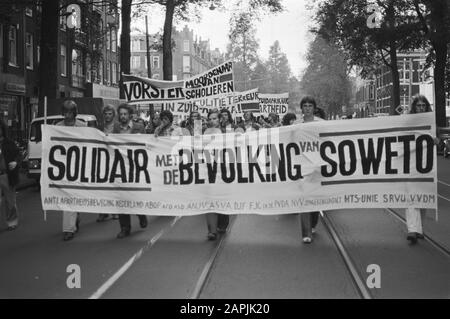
[211, 89]
[273, 103]
[245, 101]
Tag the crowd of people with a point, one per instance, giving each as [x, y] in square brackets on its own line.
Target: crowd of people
[122, 121]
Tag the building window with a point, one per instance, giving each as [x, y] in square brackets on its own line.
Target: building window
[114, 40]
[114, 73]
[135, 62]
[155, 64]
[135, 45]
[77, 65]
[29, 52]
[12, 46]
[100, 72]
[63, 60]
[29, 11]
[62, 22]
[108, 40]
[186, 63]
[186, 45]
[108, 73]
[88, 69]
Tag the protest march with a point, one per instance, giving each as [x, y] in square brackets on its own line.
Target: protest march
[315, 166]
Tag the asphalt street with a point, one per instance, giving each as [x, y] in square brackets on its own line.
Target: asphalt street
[259, 257]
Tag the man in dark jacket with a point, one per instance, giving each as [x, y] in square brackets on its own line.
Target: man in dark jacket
[127, 126]
[9, 177]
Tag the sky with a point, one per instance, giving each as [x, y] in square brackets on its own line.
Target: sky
[290, 28]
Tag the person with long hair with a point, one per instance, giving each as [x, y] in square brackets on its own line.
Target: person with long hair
[212, 219]
[226, 121]
[414, 216]
[288, 119]
[71, 220]
[309, 220]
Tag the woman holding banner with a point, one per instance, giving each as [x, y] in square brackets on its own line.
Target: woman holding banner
[414, 216]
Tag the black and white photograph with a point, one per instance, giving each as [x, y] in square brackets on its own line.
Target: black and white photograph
[224, 156]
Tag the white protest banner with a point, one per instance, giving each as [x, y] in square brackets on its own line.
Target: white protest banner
[212, 89]
[324, 165]
[245, 101]
[274, 103]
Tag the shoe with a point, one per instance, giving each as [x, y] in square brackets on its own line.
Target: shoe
[68, 236]
[11, 227]
[102, 218]
[143, 223]
[420, 236]
[212, 236]
[307, 240]
[123, 233]
[412, 237]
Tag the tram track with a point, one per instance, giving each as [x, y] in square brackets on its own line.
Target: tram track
[206, 271]
[357, 280]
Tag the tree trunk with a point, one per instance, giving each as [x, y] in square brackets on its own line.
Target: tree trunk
[395, 95]
[125, 43]
[439, 83]
[49, 66]
[439, 40]
[167, 41]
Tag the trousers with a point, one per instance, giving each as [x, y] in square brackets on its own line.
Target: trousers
[308, 221]
[414, 218]
[125, 220]
[9, 204]
[70, 221]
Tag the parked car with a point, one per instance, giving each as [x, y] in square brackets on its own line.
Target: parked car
[444, 141]
[34, 149]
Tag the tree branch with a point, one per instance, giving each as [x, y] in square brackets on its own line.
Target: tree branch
[425, 28]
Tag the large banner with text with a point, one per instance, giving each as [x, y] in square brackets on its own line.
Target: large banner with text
[211, 89]
[363, 163]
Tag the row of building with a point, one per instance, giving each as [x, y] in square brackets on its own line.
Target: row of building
[374, 94]
[88, 63]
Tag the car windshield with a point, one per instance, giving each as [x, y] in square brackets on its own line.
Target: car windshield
[36, 132]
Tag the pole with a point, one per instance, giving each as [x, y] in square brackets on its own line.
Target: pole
[149, 71]
[149, 67]
[45, 123]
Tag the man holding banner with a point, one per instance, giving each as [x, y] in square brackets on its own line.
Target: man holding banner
[71, 219]
[127, 126]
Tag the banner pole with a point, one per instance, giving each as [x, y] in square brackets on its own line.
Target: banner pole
[45, 123]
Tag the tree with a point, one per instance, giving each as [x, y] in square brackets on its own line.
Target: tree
[344, 23]
[326, 76]
[278, 69]
[434, 17]
[243, 48]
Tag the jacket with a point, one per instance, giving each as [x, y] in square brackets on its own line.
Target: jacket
[11, 153]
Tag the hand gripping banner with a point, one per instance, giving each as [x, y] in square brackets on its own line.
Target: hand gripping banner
[374, 163]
